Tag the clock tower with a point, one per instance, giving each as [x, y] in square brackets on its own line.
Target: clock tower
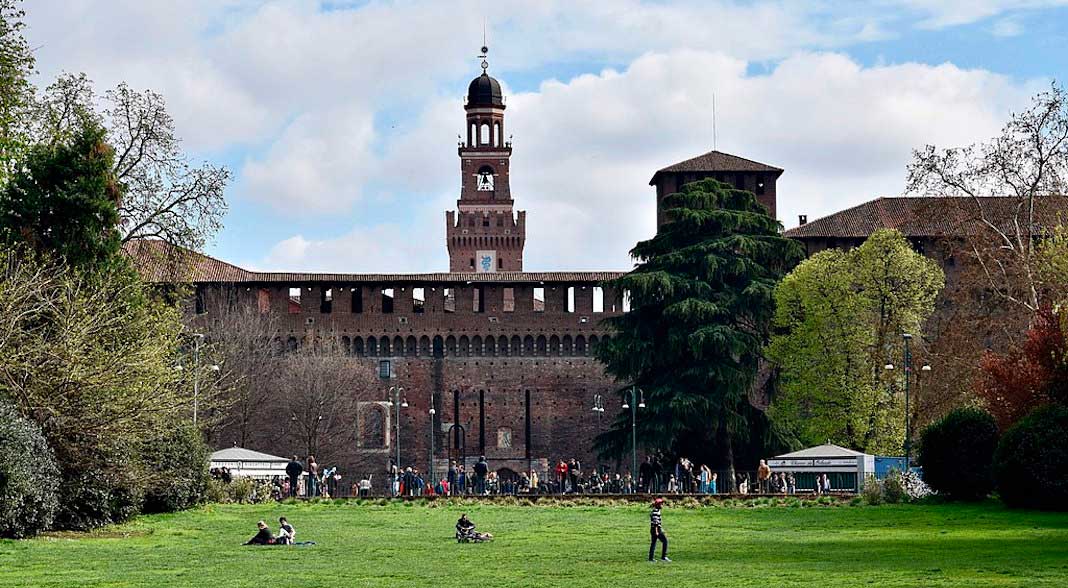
[485, 234]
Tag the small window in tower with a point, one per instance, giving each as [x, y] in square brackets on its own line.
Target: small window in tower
[201, 304]
[484, 134]
[539, 299]
[509, 300]
[598, 299]
[472, 263]
[485, 221]
[418, 299]
[500, 220]
[500, 263]
[357, 300]
[571, 299]
[450, 299]
[478, 299]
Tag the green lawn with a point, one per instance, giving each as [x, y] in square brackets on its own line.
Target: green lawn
[572, 546]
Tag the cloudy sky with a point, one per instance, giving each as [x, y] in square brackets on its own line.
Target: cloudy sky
[339, 118]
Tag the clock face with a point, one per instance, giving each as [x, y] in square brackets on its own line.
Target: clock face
[484, 181]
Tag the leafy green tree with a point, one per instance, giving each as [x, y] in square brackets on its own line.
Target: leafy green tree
[64, 200]
[839, 319]
[702, 296]
[90, 356]
[16, 91]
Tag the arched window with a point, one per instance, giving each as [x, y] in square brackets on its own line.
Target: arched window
[465, 346]
[502, 345]
[384, 348]
[541, 345]
[398, 346]
[476, 346]
[491, 346]
[516, 345]
[450, 346]
[484, 180]
[372, 347]
[357, 346]
[410, 347]
[439, 346]
[580, 345]
[291, 344]
[593, 342]
[346, 345]
[484, 134]
[566, 348]
[554, 345]
[528, 345]
[424, 346]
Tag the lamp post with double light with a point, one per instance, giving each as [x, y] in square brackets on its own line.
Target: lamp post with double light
[430, 467]
[197, 338]
[633, 398]
[907, 338]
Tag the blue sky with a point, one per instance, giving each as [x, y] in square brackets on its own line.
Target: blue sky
[339, 118]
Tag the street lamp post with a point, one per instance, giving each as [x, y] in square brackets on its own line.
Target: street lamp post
[637, 400]
[430, 468]
[907, 338]
[396, 395]
[197, 338]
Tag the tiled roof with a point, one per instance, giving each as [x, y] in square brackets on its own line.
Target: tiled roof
[929, 216]
[716, 161]
[162, 263]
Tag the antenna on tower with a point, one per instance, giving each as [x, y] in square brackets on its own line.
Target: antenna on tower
[714, 146]
[485, 48]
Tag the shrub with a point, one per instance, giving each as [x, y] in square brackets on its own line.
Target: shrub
[96, 498]
[1031, 463]
[28, 477]
[957, 454]
[894, 488]
[176, 464]
[872, 492]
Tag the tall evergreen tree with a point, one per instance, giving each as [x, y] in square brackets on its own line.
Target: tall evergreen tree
[702, 299]
[64, 200]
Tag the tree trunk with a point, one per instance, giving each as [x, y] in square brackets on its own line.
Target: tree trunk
[726, 444]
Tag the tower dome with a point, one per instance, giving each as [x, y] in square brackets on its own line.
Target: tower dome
[485, 91]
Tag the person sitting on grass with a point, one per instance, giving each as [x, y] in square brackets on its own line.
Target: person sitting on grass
[263, 536]
[287, 535]
[465, 531]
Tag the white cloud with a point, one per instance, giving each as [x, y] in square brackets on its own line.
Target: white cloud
[938, 14]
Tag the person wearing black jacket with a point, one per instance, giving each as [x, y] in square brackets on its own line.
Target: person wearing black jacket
[263, 536]
[481, 471]
[294, 469]
[656, 532]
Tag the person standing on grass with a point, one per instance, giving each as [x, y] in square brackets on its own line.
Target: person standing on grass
[452, 476]
[763, 475]
[656, 532]
[294, 469]
[481, 471]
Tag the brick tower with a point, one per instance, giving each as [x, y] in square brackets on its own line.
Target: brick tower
[484, 234]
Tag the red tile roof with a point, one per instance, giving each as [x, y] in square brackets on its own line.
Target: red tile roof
[160, 262]
[714, 161]
[929, 216]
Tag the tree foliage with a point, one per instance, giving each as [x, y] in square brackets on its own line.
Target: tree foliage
[1027, 162]
[90, 357]
[166, 196]
[957, 454]
[16, 91]
[1014, 383]
[702, 304]
[64, 200]
[1031, 462]
[839, 318]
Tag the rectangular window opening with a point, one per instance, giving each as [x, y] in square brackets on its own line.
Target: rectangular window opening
[387, 300]
[357, 300]
[598, 299]
[326, 301]
[626, 300]
[539, 299]
[418, 299]
[509, 300]
[201, 304]
[571, 299]
[449, 295]
[478, 299]
[294, 300]
[263, 300]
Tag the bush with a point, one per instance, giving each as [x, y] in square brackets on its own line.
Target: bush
[28, 477]
[872, 491]
[1031, 463]
[96, 498]
[177, 470]
[957, 454]
[894, 488]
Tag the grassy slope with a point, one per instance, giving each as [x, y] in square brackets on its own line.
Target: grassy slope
[411, 545]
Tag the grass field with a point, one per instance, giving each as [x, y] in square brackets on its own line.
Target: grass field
[572, 546]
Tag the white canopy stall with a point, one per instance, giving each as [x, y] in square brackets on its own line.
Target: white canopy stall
[245, 463]
[846, 469]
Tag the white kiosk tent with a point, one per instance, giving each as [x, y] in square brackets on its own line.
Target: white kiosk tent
[846, 469]
[245, 463]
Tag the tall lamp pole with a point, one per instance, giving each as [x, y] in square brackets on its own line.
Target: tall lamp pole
[430, 468]
[907, 338]
[396, 395]
[637, 400]
[197, 338]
